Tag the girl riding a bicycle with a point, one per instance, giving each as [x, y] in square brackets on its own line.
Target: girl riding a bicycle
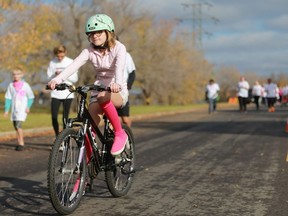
[108, 58]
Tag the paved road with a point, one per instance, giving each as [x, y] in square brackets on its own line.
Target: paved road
[189, 164]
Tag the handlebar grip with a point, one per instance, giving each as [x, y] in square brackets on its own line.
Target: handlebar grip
[59, 87]
[101, 88]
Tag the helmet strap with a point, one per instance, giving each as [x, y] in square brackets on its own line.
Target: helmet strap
[103, 46]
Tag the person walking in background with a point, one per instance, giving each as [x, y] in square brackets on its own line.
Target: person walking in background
[264, 97]
[284, 95]
[257, 93]
[56, 66]
[130, 76]
[272, 92]
[19, 97]
[243, 88]
[108, 57]
[212, 90]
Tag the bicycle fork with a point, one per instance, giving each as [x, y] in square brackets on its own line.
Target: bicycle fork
[81, 151]
[77, 169]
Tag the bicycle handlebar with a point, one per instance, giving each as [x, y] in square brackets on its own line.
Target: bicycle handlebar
[84, 88]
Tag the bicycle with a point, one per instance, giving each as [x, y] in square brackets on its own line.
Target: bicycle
[85, 153]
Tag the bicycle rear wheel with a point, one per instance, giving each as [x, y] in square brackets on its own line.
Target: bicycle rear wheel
[120, 176]
[66, 184]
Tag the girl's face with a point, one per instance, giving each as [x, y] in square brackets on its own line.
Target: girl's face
[17, 75]
[98, 38]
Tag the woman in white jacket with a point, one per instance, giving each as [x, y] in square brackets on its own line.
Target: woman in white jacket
[56, 66]
[272, 93]
[243, 88]
[257, 93]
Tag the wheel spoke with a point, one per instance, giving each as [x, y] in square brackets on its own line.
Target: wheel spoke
[64, 185]
[119, 179]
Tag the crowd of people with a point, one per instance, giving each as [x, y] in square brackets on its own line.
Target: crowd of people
[267, 94]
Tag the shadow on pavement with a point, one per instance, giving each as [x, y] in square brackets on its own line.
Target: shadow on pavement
[21, 196]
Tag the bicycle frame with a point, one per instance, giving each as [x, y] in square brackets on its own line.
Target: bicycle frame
[88, 130]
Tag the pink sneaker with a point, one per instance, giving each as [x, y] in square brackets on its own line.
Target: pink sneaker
[119, 142]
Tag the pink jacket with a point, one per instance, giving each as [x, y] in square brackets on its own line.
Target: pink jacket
[108, 68]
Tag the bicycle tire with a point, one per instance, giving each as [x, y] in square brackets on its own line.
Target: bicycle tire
[65, 185]
[119, 178]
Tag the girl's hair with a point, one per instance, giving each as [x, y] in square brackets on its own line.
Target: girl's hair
[59, 49]
[111, 39]
[19, 68]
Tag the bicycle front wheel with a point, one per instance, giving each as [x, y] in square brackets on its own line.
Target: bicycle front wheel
[66, 180]
[120, 176]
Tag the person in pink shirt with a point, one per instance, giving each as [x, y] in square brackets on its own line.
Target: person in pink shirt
[19, 98]
[108, 58]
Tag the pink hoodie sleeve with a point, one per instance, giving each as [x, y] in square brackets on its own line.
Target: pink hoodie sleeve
[73, 67]
[120, 63]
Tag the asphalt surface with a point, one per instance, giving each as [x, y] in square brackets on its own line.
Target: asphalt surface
[228, 163]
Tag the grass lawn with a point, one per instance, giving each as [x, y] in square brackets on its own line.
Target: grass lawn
[38, 118]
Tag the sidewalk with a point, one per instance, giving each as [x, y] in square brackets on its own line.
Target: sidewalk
[9, 135]
[4, 136]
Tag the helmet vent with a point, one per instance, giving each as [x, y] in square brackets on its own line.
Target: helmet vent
[99, 22]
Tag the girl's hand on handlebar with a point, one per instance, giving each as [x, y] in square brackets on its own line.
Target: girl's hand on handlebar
[52, 84]
[115, 88]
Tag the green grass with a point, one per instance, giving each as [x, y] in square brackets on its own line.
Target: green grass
[38, 118]
[34, 120]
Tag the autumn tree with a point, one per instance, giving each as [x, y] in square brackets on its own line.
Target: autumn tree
[227, 77]
[26, 41]
[167, 64]
[9, 5]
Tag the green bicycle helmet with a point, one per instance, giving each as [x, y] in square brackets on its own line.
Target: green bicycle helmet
[99, 22]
